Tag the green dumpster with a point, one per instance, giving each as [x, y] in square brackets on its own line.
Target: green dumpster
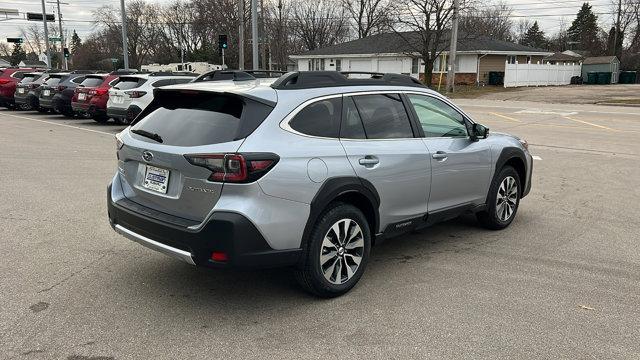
[496, 78]
[627, 77]
[604, 78]
[592, 77]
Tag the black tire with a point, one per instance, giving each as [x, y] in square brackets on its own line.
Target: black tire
[43, 110]
[490, 218]
[122, 121]
[101, 119]
[310, 274]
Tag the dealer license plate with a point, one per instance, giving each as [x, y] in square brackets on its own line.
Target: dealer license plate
[156, 179]
[82, 96]
[46, 92]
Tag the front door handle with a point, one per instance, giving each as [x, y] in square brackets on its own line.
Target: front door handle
[440, 155]
[368, 160]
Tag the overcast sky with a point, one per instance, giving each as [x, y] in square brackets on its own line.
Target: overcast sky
[548, 13]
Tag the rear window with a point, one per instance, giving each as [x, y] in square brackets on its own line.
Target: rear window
[92, 81]
[28, 78]
[129, 83]
[193, 119]
[53, 81]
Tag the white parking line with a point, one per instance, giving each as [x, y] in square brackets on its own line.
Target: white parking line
[536, 157]
[465, 104]
[58, 124]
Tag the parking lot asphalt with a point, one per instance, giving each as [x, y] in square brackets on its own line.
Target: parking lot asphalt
[561, 282]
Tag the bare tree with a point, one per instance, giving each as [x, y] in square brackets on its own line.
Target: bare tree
[522, 27]
[493, 21]
[319, 23]
[370, 16]
[428, 25]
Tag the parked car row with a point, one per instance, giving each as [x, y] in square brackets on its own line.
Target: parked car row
[120, 95]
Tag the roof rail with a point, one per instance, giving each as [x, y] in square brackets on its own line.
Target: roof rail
[172, 73]
[124, 72]
[217, 75]
[260, 73]
[317, 79]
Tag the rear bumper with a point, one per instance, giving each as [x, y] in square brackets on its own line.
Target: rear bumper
[226, 232]
[21, 100]
[46, 103]
[80, 107]
[116, 113]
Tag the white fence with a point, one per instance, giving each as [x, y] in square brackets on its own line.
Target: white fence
[539, 74]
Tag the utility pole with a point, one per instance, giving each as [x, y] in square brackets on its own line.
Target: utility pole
[254, 33]
[46, 34]
[617, 30]
[452, 50]
[241, 35]
[125, 46]
[264, 36]
[63, 60]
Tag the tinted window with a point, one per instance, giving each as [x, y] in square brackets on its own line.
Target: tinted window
[383, 116]
[18, 75]
[437, 118]
[129, 83]
[322, 118]
[53, 81]
[92, 81]
[78, 80]
[351, 127]
[163, 82]
[28, 78]
[201, 119]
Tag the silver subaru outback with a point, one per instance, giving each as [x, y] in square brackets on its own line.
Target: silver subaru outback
[308, 172]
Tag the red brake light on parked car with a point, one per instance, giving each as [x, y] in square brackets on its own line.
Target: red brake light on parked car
[98, 92]
[4, 81]
[135, 94]
[235, 168]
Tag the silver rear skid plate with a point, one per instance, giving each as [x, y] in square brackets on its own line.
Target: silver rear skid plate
[154, 245]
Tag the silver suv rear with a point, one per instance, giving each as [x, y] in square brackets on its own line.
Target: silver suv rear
[309, 172]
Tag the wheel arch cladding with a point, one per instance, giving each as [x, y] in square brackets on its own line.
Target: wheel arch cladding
[352, 190]
[514, 157]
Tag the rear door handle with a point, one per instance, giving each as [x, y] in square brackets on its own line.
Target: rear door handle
[440, 155]
[368, 160]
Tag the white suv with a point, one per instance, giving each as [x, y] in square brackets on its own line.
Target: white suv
[132, 93]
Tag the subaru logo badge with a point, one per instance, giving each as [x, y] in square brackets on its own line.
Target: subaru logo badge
[147, 155]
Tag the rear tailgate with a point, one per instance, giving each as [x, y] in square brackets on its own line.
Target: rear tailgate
[118, 97]
[156, 174]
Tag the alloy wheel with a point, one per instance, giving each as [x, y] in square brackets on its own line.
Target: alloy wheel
[341, 251]
[507, 198]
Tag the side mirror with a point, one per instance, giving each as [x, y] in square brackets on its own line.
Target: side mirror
[479, 131]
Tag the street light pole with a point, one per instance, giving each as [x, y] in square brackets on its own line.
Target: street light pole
[46, 34]
[254, 33]
[125, 46]
[241, 35]
[451, 74]
[63, 60]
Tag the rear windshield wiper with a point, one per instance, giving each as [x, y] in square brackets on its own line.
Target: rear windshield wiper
[150, 135]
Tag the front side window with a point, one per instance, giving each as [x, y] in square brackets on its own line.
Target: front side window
[321, 118]
[383, 116]
[437, 118]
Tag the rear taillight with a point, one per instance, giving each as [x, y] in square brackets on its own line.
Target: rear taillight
[236, 168]
[135, 94]
[4, 81]
[61, 87]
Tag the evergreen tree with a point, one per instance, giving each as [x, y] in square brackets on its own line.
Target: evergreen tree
[584, 31]
[75, 42]
[534, 37]
[617, 49]
[17, 55]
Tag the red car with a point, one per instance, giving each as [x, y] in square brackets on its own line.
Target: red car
[91, 95]
[9, 79]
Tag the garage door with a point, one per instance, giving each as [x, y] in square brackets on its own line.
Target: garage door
[359, 65]
[390, 66]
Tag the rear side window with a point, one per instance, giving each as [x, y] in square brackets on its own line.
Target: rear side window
[351, 127]
[321, 118]
[92, 81]
[193, 119]
[383, 116]
[129, 83]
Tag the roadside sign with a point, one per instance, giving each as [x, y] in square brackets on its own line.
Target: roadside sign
[15, 40]
[55, 39]
[38, 17]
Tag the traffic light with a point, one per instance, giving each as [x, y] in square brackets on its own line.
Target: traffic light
[38, 17]
[65, 51]
[222, 42]
[15, 40]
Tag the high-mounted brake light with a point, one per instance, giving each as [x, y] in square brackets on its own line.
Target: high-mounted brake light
[235, 168]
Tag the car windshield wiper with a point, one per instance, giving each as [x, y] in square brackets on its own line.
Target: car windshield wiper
[150, 135]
